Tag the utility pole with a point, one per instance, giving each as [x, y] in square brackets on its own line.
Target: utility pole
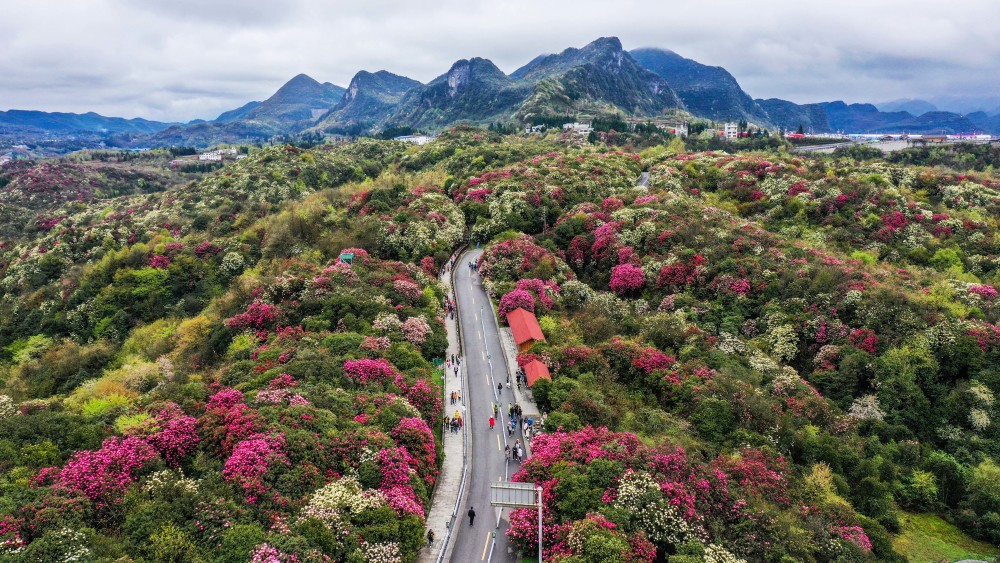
[539, 490]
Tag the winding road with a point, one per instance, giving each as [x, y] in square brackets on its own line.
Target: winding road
[486, 367]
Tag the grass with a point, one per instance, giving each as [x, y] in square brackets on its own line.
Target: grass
[927, 537]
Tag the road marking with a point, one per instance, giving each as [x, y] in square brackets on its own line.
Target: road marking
[484, 354]
[498, 443]
[480, 334]
[486, 545]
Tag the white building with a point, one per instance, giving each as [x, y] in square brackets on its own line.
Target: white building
[679, 129]
[210, 157]
[576, 127]
[415, 139]
[732, 131]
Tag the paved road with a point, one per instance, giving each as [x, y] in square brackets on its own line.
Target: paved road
[482, 347]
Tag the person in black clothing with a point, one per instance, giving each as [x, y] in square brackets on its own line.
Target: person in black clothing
[472, 516]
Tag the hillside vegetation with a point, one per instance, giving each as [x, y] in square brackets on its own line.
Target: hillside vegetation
[761, 357]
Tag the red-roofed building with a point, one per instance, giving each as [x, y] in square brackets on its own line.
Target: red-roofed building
[524, 327]
[535, 370]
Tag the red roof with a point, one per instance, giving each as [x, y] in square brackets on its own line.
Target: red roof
[524, 326]
[536, 370]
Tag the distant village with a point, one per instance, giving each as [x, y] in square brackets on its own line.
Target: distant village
[217, 155]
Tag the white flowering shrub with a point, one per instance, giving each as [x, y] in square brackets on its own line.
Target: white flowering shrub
[7, 407]
[169, 482]
[640, 495]
[979, 419]
[232, 263]
[345, 494]
[717, 554]
[866, 407]
[381, 552]
[575, 293]
[783, 341]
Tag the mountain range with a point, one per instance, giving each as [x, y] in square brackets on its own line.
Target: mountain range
[599, 78]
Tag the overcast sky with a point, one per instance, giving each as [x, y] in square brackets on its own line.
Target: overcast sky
[186, 59]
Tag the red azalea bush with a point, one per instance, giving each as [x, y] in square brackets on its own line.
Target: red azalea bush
[368, 370]
[103, 475]
[250, 462]
[518, 298]
[626, 279]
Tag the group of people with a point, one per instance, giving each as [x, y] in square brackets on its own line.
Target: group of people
[449, 307]
[454, 423]
[514, 454]
[456, 397]
[452, 364]
[521, 377]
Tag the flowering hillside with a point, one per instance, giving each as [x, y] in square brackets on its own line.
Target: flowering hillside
[758, 358]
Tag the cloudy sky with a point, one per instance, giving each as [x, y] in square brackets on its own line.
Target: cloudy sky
[186, 59]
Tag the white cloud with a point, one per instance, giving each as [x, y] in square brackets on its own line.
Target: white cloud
[184, 59]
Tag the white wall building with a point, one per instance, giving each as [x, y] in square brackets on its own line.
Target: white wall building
[577, 127]
[415, 139]
[732, 131]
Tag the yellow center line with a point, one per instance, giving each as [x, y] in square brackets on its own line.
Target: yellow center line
[486, 545]
[498, 443]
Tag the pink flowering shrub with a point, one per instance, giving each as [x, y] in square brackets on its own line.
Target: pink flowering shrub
[103, 475]
[207, 250]
[855, 535]
[414, 435]
[651, 359]
[416, 330]
[368, 370]
[542, 291]
[258, 315]
[985, 291]
[518, 298]
[251, 460]
[228, 420]
[626, 279]
[409, 290]
[758, 473]
[173, 433]
[159, 261]
[396, 465]
[864, 339]
[375, 344]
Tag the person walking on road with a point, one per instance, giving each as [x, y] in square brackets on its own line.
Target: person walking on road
[492, 422]
[499, 388]
[472, 515]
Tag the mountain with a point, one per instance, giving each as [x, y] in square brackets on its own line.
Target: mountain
[472, 90]
[291, 109]
[301, 99]
[915, 107]
[933, 122]
[707, 91]
[68, 123]
[601, 76]
[237, 114]
[369, 98]
[985, 122]
[790, 116]
[860, 118]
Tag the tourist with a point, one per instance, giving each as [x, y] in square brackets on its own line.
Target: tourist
[492, 422]
[472, 515]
